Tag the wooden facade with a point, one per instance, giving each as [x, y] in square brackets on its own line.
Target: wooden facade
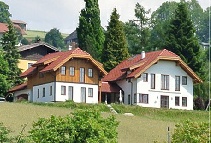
[41, 78]
[77, 64]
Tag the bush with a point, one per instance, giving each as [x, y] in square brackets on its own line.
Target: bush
[4, 133]
[84, 126]
[199, 104]
[191, 132]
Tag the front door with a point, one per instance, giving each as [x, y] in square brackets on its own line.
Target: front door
[83, 94]
[164, 101]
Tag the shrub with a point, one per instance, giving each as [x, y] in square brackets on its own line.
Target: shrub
[191, 132]
[4, 133]
[84, 126]
[198, 104]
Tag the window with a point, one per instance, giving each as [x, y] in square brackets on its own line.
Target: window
[145, 77]
[63, 90]
[51, 90]
[143, 98]
[29, 65]
[90, 92]
[41, 75]
[176, 101]
[82, 73]
[152, 81]
[38, 93]
[90, 73]
[184, 101]
[135, 98]
[70, 92]
[165, 82]
[63, 70]
[177, 83]
[43, 92]
[83, 94]
[72, 71]
[184, 80]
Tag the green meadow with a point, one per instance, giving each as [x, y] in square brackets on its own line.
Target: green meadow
[146, 126]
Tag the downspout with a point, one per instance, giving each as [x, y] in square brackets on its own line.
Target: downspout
[131, 92]
[54, 88]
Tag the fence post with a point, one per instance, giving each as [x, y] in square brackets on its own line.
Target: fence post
[168, 136]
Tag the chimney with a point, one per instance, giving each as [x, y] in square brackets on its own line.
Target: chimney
[73, 45]
[142, 55]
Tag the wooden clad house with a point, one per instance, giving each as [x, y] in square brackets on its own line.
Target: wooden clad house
[70, 75]
[33, 52]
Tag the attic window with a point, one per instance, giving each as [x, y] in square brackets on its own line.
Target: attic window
[145, 77]
[63, 70]
[184, 80]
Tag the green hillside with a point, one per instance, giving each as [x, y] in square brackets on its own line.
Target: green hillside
[31, 34]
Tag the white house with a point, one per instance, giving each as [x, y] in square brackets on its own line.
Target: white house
[155, 79]
[70, 75]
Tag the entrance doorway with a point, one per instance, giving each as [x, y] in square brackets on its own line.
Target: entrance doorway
[164, 101]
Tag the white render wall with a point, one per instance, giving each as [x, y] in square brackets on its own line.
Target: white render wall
[59, 97]
[166, 68]
[25, 91]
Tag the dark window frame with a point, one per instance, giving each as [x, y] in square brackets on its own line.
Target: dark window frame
[142, 100]
[43, 92]
[90, 89]
[90, 72]
[184, 101]
[82, 75]
[177, 83]
[152, 81]
[145, 77]
[63, 90]
[164, 82]
[177, 101]
[184, 80]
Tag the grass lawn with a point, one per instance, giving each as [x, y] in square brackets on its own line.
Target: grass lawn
[31, 34]
[142, 127]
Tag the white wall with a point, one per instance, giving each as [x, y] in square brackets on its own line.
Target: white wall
[77, 92]
[48, 97]
[25, 91]
[162, 67]
[59, 97]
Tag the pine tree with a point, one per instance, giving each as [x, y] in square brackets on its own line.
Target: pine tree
[182, 41]
[115, 46]
[4, 70]
[12, 55]
[90, 33]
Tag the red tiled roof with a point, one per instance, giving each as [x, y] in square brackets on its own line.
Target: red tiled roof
[110, 87]
[3, 27]
[18, 87]
[55, 60]
[137, 66]
[28, 72]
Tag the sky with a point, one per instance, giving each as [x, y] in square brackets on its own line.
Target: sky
[64, 14]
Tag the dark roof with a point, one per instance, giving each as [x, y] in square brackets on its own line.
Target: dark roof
[19, 22]
[136, 66]
[73, 35]
[53, 61]
[26, 47]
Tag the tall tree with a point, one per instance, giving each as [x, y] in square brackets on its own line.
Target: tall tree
[115, 46]
[181, 40]
[4, 70]
[12, 55]
[137, 31]
[4, 13]
[54, 38]
[90, 33]
[160, 19]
